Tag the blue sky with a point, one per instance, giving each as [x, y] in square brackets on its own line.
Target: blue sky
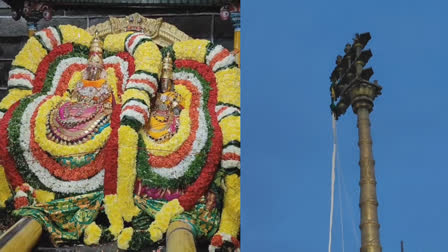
[288, 53]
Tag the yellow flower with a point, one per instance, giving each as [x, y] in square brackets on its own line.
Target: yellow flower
[112, 81]
[148, 57]
[31, 55]
[126, 174]
[13, 96]
[230, 127]
[156, 234]
[115, 42]
[112, 209]
[73, 34]
[76, 77]
[228, 81]
[191, 49]
[44, 196]
[61, 150]
[135, 94]
[5, 191]
[162, 219]
[230, 218]
[124, 238]
[92, 234]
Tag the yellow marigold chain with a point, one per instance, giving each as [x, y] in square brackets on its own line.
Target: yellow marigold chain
[230, 219]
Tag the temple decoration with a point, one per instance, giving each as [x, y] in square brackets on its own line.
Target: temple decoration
[110, 122]
[161, 33]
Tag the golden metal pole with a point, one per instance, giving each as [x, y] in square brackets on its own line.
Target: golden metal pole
[236, 45]
[179, 238]
[362, 97]
[32, 27]
[23, 236]
[235, 16]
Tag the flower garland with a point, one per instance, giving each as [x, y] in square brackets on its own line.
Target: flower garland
[229, 86]
[111, 152]
[44, 65]
[199, 187]
[163, 218]
[31, 55]
[5, 191]
[191, 50]
[113, 212]
[92, 234]
[230, 219]
[229, 116]
[147, 56]
[13, 96]
[126, 174]
[219, 58]
[66, 66]
[6, 158]
[75, 79]
[50, 37]
[121, 67]
[73, 34]
[133, 116]
[116, 42]
[112, 80]
[20, 78]
[125, 238]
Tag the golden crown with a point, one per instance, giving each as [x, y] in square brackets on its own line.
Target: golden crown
[96, 50]
[167, 67]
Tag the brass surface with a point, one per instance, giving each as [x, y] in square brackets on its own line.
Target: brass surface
[236, 46]
[179, 238]
[23, 236]
[163, 34]
[362, 97]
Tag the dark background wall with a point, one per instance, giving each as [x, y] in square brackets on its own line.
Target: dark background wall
[203, 23]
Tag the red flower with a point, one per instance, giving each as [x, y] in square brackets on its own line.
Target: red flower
[235, 242]
[24, 188]
[21, 202]
[8, 162]
[127, 57]
[44, 65]
[111, 152]
[201, 185]
[217, 241]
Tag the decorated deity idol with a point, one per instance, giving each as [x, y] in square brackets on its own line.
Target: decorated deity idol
[87, 113]
[164, 120]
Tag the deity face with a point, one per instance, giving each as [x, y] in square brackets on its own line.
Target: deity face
[166, 85]
[93, 72]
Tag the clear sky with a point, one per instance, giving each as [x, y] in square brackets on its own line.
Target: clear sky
[288, 52]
